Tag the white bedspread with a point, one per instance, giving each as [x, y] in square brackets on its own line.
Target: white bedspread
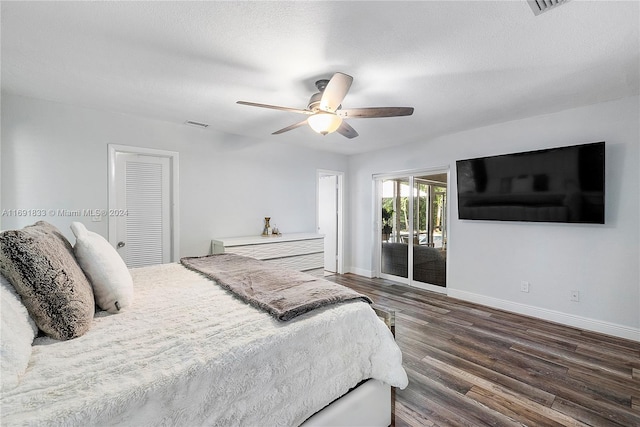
[188, 353]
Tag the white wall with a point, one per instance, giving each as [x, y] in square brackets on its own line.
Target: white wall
[54, 156]
[487, 260]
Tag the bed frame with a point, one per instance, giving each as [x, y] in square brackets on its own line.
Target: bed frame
[371, 403]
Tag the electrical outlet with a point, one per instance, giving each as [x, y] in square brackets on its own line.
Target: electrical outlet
[524, 286]
[575, 296]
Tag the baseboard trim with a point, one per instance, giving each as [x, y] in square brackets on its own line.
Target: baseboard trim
[361, 272]
[586, 323]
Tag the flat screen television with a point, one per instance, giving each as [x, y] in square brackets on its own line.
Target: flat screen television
[564, 184]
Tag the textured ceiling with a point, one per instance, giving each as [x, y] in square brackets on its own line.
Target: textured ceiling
[460, 64]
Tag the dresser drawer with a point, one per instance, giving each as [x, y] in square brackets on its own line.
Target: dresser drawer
[299, 263]
[301, 251]
[285, 249]
[241, 250]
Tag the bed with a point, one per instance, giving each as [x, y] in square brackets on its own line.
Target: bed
[186, 351]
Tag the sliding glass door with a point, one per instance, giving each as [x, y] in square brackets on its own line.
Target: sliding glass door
[430, 242]
[395, 227]
[413, 229]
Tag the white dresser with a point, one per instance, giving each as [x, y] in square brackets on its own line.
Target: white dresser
[296, 251]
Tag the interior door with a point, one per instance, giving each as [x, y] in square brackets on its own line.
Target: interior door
[328, 219]
[143, 219]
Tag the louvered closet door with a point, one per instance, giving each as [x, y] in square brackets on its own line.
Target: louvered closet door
[144, 196]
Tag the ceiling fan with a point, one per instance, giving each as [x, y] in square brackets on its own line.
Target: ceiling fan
[325, 112]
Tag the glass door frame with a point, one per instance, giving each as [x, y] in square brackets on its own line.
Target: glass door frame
[410, 176]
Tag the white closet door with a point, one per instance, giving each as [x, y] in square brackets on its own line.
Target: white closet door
[143, 195]
[328, 219]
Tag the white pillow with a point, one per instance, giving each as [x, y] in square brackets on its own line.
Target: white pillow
[18, 332]
[107, 272]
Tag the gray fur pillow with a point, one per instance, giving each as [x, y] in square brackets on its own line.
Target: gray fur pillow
[39, 262]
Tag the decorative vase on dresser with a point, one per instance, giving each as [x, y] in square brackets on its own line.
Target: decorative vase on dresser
[295, 251]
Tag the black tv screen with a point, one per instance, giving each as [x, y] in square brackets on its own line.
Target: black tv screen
[563, 184]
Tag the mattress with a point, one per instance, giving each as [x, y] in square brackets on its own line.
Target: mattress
[188, 352]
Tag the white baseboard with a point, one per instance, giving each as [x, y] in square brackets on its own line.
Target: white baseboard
[360, 272]
[550, 315]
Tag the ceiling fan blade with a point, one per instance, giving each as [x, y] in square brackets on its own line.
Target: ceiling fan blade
[345, 129]
[275, 107]
[288, 128]
[335, 92]
[375, 112]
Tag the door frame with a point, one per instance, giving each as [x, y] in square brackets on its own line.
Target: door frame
[340, 208]
[174, 162]
[377, 224]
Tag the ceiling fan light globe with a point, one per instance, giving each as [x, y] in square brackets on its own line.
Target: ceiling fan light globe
[324, 123]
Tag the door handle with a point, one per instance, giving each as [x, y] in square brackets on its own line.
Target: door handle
[120, 245]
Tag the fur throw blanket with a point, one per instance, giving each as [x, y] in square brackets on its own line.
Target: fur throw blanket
[283, 293]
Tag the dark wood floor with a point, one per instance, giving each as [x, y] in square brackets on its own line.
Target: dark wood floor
[470, 365]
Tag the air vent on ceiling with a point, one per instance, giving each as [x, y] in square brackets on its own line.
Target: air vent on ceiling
[196, 124]
[539, 6]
